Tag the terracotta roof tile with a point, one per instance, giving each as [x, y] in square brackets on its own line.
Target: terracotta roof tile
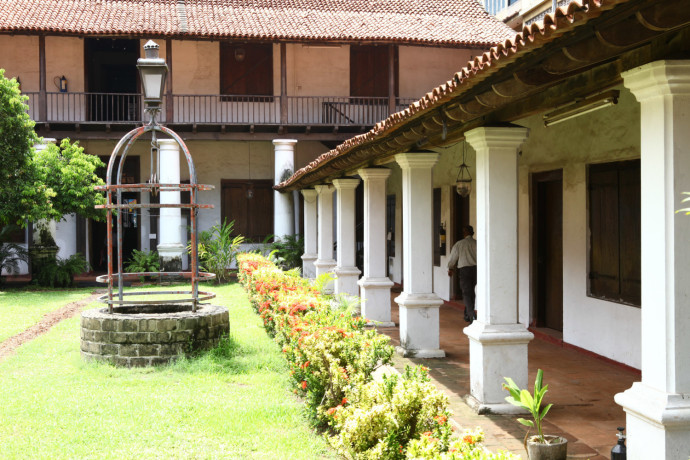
[441, 22]
[529, 39]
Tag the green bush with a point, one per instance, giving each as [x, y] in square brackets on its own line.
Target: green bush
[143, 262]
[287, 251]
[57, 272]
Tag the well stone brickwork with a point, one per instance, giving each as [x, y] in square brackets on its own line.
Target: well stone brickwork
[143, 336]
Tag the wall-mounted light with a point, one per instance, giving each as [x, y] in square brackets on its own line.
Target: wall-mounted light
[240, 54]
[463, 184]
[582, 107]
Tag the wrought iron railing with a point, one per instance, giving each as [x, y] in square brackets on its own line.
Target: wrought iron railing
[76, 107]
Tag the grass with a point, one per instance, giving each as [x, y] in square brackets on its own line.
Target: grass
[20, 309]
[232, 402]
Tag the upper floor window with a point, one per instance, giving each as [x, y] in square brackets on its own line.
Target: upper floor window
[614, 224]
[246, 69]
[370, 68]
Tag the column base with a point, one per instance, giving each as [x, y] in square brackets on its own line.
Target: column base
[326, 266]
[420, 353]
[657, 423]
[496, 351]
[308, 268]
[171, 257]
[498, 408]
[346, 280]
[376, 300]
[419, 325]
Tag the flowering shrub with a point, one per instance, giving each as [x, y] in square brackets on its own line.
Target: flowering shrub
[468, 446]
[331, 358]
[384, 416]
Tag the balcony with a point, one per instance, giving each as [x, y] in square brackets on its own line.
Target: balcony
[97, 112]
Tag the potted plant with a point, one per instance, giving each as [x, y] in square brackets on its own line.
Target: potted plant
[539, 446]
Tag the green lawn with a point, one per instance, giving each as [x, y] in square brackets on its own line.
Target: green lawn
[234, 402]
[21, 308]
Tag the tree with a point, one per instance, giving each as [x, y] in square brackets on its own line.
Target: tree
[44, 184]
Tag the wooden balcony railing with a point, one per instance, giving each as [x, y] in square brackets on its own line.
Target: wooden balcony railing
[99, 108]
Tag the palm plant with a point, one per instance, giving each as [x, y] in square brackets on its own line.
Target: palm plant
[217, 250]
[532, 403]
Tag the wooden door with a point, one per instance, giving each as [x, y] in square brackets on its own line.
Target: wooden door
[547, 212]
[249, 203]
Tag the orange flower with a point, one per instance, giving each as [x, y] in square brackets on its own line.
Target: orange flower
[468, 439]
[344, 401]
[331, 411]
[304, 384]
[426, 433]
[441, 419]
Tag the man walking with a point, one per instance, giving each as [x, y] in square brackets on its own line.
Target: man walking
[463, 256]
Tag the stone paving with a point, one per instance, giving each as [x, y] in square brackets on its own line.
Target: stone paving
[580, 386]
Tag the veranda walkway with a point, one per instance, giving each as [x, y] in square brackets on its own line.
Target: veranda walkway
[581, 387]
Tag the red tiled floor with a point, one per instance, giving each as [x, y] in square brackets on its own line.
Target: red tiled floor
[581, 387]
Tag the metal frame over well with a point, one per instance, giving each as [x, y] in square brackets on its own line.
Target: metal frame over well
[127, 141]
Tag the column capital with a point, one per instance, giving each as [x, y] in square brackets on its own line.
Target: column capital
[658, 78]
[324, 188]
[285, 143]
[417, 160]
[374, 173]
[168, 143]
[501, 137]
[346, 184]
[309, 194]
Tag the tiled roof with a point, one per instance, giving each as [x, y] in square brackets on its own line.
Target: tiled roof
[476, 71]
[441, 22]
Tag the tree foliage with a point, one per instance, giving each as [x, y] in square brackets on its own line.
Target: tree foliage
[42, 184]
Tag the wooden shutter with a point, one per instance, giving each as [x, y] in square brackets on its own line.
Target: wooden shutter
[251, 75]
[614, 205]
[630, 233]
[603, 222]
[369, 70]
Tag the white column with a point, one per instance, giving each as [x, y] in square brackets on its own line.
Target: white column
[658, 408]
[346, 271]
[310, 241]
[283, 219]
[375, 285]
[419, 315]
[498, 342]
[325, 262]
[170, 246]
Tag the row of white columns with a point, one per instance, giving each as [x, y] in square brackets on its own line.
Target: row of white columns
[658, 407]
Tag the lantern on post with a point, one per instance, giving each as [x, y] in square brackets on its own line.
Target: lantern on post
[153, 71]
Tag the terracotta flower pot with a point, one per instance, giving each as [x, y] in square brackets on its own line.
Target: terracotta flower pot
[555, 448]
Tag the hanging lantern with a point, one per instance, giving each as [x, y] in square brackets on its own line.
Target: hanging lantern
[153, 71]
[463, 184]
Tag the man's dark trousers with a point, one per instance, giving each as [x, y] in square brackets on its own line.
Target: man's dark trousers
[467, 278]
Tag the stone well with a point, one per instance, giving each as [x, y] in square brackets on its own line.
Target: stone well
[145, 335]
